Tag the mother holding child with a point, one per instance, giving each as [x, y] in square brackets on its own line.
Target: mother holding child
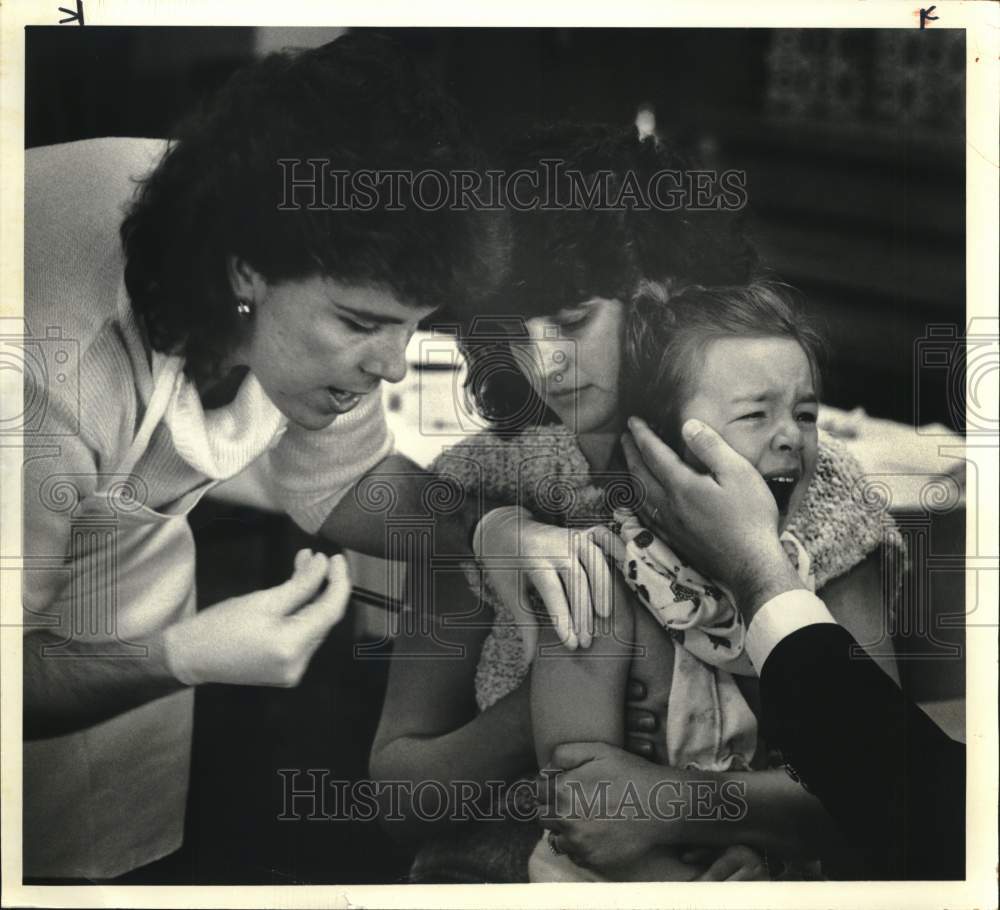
[608, 315]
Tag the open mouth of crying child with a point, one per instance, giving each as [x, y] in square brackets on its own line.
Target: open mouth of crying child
[782, 485]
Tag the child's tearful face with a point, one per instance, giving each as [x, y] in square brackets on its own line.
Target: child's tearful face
[760, 395]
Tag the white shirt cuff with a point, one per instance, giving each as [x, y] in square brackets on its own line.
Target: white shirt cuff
[778, 618]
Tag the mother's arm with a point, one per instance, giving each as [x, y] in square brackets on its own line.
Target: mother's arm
[430, 727]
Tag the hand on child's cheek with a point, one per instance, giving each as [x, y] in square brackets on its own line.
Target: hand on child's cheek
[692, 461]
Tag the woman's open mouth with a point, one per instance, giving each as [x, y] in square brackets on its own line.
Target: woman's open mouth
[782, 485]
[342, 401]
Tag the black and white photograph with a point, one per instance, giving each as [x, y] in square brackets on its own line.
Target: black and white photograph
[511, 454]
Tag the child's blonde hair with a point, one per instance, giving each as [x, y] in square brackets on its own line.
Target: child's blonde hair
[669, 326]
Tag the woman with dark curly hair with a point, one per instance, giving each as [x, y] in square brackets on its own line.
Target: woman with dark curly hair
[225, 319]
[555, 375]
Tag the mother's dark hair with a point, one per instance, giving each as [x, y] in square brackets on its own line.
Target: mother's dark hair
[359, 102]
[561, 257]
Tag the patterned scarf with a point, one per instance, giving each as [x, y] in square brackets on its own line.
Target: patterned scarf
[709, 724]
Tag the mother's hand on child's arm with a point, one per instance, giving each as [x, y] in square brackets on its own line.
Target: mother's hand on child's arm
[644, 734]
[564, 566]
[637, 805]
[608, 807]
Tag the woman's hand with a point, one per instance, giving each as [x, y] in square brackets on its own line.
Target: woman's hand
[608, 807]
[266, 638]
[737, 863]
[644, 735]
[564, 566]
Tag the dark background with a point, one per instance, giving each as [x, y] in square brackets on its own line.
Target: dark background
[853, 143]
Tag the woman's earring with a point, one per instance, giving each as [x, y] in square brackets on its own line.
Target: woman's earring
[244, 307]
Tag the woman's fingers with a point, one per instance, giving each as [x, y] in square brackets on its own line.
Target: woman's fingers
[527, 621]
[651, 492]
[594, 546]
[309, 575]
[579, 589]
[719, 871]
[318, 617]
[638, 720]
[742, 871]
[639, 746]
[549, 587]
[641, 728]
[708, 447]
[753, 872]
[635, 689]
[656, 455]
[735, 864]
[609, 543]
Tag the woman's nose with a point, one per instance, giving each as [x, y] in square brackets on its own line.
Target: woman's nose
[387, 357]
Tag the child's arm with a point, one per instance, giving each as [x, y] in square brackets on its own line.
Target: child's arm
[579, 696]
[653, 666]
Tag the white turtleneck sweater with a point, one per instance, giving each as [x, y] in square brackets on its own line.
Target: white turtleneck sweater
[110, 798]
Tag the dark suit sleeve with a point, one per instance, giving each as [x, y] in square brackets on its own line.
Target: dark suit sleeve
[893, 781]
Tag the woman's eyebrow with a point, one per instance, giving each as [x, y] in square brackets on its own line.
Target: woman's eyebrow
[588, 304]
[568, 312]
[364, 315]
